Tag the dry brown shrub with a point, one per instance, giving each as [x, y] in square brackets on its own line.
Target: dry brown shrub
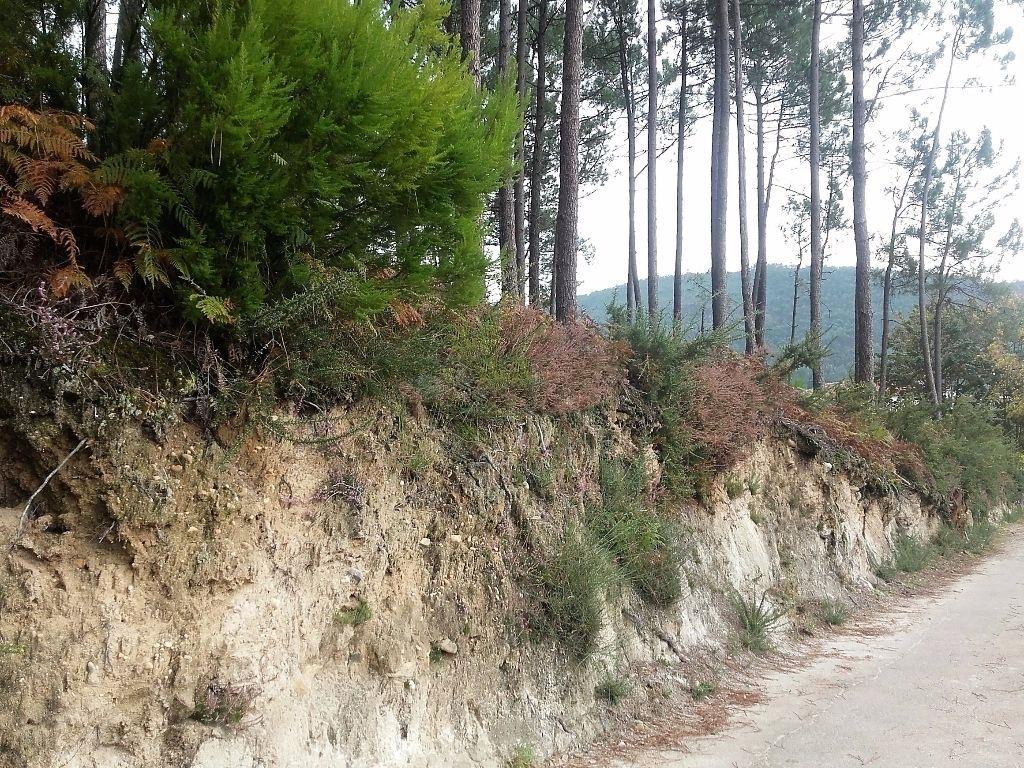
[837, 431]
[575, 368]
[732, 408]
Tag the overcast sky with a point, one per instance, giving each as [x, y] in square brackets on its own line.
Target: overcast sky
[998, 105]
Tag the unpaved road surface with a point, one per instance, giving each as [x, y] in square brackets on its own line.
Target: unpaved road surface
[943, 685]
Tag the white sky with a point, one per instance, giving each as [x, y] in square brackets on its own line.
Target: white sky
[603, 212]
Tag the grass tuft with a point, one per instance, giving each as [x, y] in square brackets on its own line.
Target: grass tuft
[832, 612]
[638, 540]
[910, 554]
[734, 487]
[701, 691]
[353, 617]
[572, 586]
[757, 618]
[522, 757]
[612, 689]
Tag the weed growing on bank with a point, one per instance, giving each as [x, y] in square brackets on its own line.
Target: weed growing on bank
[756, 617]
[612, 690]
[832, 612]
[354, 617]
[623, 542]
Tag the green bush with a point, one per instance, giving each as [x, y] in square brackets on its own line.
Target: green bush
[757, 617]
[910, 554]
[353, 617]
[701, 691]
[832, 612]
[661, 367]
[330, 141]
[572, 587]
[612, 689]
[965, 451]
[639, 541]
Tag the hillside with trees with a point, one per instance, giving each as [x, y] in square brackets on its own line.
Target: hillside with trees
[782, 326]
[268, 441]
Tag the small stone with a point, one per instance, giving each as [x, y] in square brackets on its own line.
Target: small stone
[456, 538]
[425, 542]
[447, 645]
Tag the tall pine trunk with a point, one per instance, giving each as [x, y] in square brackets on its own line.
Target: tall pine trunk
[519, 202]
[506, 211]
[652, 158]
[95, 75]
[817, 252]
[537, 169]
[796, 293]
[761, 265]
[677, 275]
[741, 160]
[128, 40]
[764, 197]
[633, 302]
[569, 164]
[863, 344]
[922, 234]
[720, 166]
[883, 362]
[469, 35]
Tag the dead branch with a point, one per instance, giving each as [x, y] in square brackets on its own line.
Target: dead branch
[37, 491]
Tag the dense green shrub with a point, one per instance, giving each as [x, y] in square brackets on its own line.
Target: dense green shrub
[965, 451]
[639, 541]
[572, 587]
[335, 155]
[661, 366]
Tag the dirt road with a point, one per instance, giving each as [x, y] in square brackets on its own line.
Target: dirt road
[943, 686]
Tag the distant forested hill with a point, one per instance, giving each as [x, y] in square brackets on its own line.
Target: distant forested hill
[836, 298]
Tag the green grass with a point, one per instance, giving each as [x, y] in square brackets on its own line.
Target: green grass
[623, 541]
[757, 617]
[572, 586]
[734, 487]
[832, 612]
[640, 542]
[612, 689]
[522, 757]
[910, 554]
[701, 691]
[1015, 515]
[353, 617]
[981, 537]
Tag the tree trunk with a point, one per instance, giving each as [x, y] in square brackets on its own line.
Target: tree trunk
[720, 166]
[677, 276]
[469, 35]
[796, 293]
[761, 265]
[817, 253]
[922, 234]
[652, 159]
[863, 342]
[537, 169]
[764, 197]
[128, 41]
[506, 212]
[626, 81]
[741, 161]
[95, 76]
[519, 202]
[883, 363]
[569, 162]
